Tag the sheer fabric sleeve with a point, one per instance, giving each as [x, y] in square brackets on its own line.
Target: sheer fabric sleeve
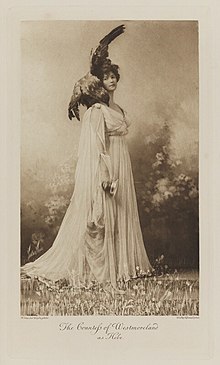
[100, 220]
[94, 163]
[97, 122]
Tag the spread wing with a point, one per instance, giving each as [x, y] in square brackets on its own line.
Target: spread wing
[99, 55]
[89, 89]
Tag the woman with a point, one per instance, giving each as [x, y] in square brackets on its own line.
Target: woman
[100, 237]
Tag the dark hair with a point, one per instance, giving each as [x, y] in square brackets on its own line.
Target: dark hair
[106, 68]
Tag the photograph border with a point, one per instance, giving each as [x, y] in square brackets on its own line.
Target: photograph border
[136, 346]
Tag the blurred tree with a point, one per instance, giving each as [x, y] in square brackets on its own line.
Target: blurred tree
[168, 203]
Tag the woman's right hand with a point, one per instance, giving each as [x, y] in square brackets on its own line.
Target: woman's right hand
[110, 186]
[106, 185]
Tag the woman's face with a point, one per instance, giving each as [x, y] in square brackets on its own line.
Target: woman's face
[110, 81]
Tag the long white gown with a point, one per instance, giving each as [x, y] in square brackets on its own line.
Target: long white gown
[100, 237]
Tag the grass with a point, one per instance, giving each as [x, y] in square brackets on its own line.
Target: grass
[174, 294]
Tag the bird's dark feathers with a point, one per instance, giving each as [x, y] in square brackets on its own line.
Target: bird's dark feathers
[89, 89]
[99, 55]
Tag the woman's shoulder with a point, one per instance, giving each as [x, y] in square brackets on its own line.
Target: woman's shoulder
[96, 107]
[95, 111]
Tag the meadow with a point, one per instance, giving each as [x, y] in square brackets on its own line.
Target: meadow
[170, 294]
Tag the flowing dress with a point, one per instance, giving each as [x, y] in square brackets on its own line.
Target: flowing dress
[100, 237]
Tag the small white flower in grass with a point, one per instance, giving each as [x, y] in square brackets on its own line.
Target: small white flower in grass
[190, 288]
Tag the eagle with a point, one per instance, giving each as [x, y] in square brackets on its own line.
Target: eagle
[89, 89]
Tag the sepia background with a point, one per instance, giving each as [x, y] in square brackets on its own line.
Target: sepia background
[159, 90]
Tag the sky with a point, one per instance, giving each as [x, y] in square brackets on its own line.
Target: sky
[159, 80]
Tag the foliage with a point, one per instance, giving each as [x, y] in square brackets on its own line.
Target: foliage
[36, 246]
[168, 201]
[42, 214]
[164, 190]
